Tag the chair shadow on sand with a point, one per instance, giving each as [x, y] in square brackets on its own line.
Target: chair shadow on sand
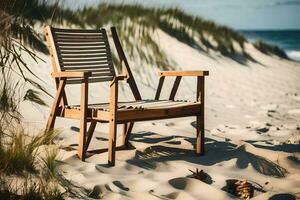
[216, 152]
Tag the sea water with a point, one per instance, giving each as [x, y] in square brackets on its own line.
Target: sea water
[288, 40]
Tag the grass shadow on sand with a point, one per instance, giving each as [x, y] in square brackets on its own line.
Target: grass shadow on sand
[289, 148]
[216, 152]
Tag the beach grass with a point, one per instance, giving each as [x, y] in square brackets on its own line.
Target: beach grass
[137, 25]
[24, 173]
[18, 151]
[270, 49]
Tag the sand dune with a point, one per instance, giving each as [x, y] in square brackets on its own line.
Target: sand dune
[252, 133]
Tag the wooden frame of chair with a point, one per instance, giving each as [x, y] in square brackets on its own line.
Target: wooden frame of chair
[66, 47]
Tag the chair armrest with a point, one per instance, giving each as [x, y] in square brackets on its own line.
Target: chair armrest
[184, 73]
[70, 74]
[199, 74]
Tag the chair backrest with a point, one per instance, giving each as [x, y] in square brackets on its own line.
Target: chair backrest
[81, 50]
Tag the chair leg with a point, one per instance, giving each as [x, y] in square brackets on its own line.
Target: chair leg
[82, 139]
[50, 122]
[127, 128]
[90, 134]
[55, 105]
[83, 119]
[112, 142]
[200, 135]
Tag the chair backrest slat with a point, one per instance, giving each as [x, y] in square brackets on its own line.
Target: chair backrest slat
[83, 50]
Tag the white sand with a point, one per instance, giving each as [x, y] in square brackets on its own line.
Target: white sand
[252, 132]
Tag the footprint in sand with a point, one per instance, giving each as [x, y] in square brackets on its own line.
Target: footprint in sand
[184, 184]
[74, 128]
[174, 142]
[96, 193]
[262, 130]
[285, 196]
[198, 188]
[179, 195]
[170, 124]
[120, 185]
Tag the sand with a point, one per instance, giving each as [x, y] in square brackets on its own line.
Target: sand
[252, 132]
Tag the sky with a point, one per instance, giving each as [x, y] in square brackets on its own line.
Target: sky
[238, 14]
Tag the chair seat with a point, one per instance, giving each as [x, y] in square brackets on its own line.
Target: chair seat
[141, 110]
[138, 105]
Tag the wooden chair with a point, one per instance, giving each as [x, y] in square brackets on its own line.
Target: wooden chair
[83, 57]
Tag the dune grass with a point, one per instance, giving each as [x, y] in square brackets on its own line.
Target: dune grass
[18, 151]
[24, 174]
[137, 25]
[9, 105]
[29, 188]
[270, 49]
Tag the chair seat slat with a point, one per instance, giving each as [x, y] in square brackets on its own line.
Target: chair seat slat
[83, 54]
[87, 56]
[83, 59]
[74, 31]
[101, 74]
[91, 53]
[77, 39]
[91, 80]
[84, 63]
[72, 48]
[85, 44]
[86, 68]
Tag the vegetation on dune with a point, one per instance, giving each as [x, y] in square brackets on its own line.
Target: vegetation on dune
[27, 189]
[136, 25]
[28, 168]
[18, 151]
[24, 174]
[20, 17]
[270, 49]
[9, 105]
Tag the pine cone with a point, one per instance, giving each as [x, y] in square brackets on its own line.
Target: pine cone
[244, 189]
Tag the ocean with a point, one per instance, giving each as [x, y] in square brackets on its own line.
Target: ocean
[288, 40]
